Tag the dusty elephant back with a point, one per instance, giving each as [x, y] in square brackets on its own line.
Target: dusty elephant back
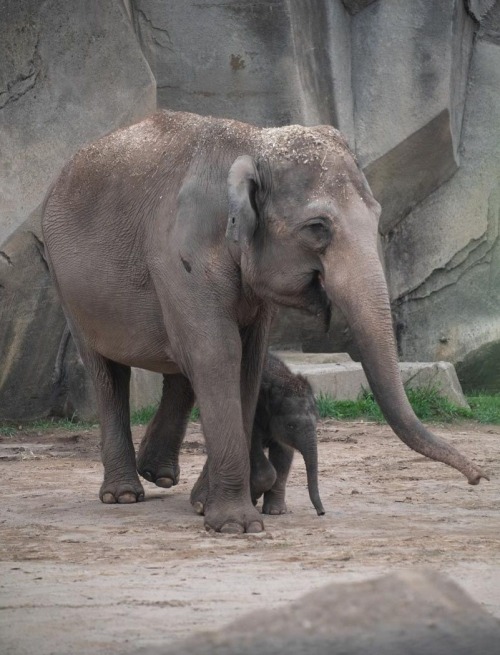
[132, 163]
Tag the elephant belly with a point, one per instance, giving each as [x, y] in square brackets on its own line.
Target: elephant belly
[125, 326]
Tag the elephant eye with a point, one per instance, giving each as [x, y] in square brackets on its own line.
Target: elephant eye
[317, 232]
[290, 426]
[318, 228]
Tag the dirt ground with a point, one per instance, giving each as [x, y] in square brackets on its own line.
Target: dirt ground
[77, 576]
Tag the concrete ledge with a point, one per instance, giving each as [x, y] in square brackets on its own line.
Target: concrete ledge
[145, 388]
[338, 375]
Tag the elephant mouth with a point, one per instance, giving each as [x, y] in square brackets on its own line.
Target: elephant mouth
[318, 302]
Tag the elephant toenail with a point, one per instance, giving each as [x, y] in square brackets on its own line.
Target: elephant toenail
[232, 528]
[108, 498]
[166, 483]
[127, 497]
[199, 508]
[147, 475]
[254, 527]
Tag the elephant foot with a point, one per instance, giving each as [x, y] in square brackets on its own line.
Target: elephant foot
[233, 518]
[199, 493]
[199, 507]
[262, 479]
[162, 475]
[274, 506]
[121, 492]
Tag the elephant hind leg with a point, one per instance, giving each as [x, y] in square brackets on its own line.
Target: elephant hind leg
[158, 458]
[112, 385]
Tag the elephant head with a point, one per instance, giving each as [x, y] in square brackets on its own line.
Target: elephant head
[305, 224]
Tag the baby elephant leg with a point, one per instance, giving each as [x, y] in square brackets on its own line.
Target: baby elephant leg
[281, 457]
[262, 472]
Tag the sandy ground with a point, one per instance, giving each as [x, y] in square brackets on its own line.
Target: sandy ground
[77, 576]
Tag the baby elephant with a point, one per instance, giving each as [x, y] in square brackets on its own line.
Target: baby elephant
[285, 420]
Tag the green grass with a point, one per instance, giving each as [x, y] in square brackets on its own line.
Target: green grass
[195, 414]
[138, 417]
[485, 407]
[429, 406]
[9, 428]
[365, 407]
[427, 403]
[143, 416]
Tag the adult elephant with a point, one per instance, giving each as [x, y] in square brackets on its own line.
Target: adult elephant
[169, 243]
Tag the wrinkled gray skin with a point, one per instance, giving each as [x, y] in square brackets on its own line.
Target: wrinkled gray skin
[285, 420]
[169, 243]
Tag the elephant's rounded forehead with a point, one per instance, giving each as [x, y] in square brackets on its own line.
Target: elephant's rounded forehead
[300, 404]
[302, 144]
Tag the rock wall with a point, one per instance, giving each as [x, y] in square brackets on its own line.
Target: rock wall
[413, 84]
[70, 71]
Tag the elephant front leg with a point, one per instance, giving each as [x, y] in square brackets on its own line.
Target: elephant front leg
[281, 457]
[158, 458]
[226, 503]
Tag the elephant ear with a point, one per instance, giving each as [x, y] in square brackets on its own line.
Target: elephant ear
[242, 186]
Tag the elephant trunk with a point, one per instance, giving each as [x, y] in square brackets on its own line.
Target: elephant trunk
[364, 300]
[310, 455]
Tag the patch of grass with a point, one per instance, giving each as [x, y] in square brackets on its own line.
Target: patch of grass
[144, 415]
[485, 407]
[7, 430]
[365, 407]
[427, 403]
[138, 417]
[11, 428]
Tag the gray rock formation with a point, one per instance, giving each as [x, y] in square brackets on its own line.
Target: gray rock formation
[410, 64]
[487, 13]
[443, 260]
[70, 71]
[32, 324]
[405, 613]
[253, 61]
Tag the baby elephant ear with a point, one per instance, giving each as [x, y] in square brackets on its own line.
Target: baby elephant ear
[242, 183]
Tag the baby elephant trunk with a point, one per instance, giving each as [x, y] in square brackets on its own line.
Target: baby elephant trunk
[310, 455]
